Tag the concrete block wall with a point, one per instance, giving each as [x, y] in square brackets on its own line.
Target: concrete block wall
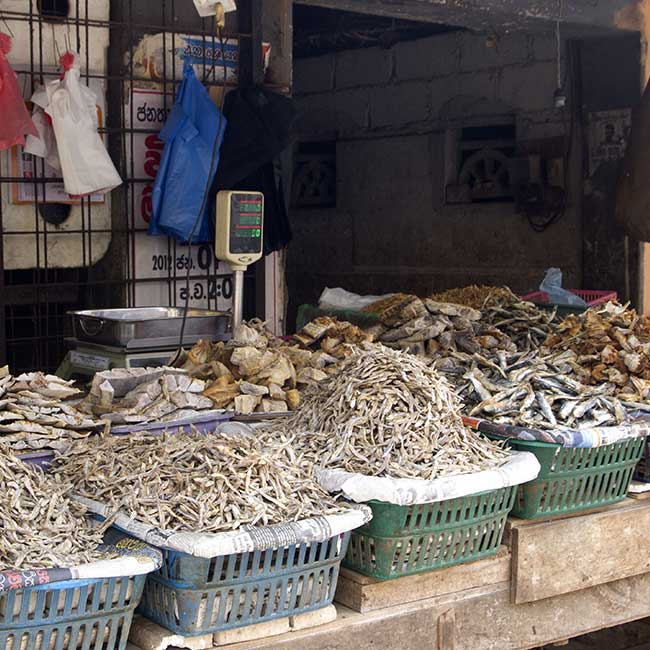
[389, 110]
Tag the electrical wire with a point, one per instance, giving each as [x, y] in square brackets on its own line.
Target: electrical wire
[206, 193]
[555, 213]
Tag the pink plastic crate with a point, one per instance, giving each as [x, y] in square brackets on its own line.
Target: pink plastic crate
[590, 297]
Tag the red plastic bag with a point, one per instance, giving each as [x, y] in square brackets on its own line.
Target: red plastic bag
[16, 121]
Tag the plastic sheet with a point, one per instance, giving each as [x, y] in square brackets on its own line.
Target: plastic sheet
[588, 437]
[135, 558]
[242, 540]
[552, 285]
[520, 468]
[341, 299]
[16, 121]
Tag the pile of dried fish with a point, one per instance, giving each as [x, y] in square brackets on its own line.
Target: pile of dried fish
[523, 322]
[35, 415]
[429, 327]
[141, 395]
[475, 296]
[40, 526]
[532, 390]
[194, 482]
[612, 344]
[257, 371]
[386, 413]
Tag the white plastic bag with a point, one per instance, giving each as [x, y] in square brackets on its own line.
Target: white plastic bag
[43, 145]
[86, 166]
[341, 299]
[520, 468]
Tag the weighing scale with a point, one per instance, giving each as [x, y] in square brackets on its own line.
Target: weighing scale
[239, 242]
[239, 236]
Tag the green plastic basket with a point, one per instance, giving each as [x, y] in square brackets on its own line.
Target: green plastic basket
[403, 540]
[573, 479]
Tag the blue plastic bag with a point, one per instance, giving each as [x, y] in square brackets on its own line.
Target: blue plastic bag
[552, 285]
[189, 134]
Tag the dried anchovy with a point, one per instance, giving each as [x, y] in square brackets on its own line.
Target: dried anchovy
[386, 413]
[523, 322]
[40, 526]
[194, 482]
[531, 389]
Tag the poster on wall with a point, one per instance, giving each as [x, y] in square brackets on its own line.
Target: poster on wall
[608, 136]
[160, 265]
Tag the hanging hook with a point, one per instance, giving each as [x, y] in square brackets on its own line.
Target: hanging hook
[6, 24]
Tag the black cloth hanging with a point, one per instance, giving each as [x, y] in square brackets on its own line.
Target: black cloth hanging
[259, 125]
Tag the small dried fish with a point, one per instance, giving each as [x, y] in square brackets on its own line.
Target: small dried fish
[194, 482]
[41, 526]
[386, 413]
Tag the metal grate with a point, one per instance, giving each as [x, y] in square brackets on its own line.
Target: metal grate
[90, 254]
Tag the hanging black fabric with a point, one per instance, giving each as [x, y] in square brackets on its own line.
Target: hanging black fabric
[259, 124]
[633, 192]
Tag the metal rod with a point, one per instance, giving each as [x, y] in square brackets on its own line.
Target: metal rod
[237, 298]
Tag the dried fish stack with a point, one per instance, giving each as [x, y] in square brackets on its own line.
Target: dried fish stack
[527, 325]
[138, 396]
[34, 413]
[41, 527]
[194, 482]
[429, 327]
[386, 413]
[474, 296]
[532, 390]
[612, 344]
[257, 371]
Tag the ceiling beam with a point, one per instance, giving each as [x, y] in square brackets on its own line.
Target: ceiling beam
[500, 15]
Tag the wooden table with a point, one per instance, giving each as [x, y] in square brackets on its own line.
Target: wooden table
[553, 580]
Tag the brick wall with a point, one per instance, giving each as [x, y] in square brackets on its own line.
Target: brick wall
[389, 111]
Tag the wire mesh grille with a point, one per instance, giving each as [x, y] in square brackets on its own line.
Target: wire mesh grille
[60, 254]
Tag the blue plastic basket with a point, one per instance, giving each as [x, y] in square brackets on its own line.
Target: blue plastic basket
[194, 596]
[71, 615]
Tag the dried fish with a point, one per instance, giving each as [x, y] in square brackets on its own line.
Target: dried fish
[612, 344]
[194, 482]
[257, 363]
[41, 526]
[386, 413]
[531, 389]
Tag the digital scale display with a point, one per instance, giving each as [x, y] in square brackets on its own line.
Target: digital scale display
[246, 213]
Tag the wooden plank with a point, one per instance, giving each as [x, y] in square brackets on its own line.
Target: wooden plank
[507, 14]
[556, 557]
[363, 594]
[447, 630]
[515, 522]
[482, 621]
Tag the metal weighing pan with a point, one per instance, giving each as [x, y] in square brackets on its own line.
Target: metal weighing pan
[147, 327]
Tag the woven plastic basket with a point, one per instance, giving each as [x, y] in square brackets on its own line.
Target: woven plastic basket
[642, 469]
[194, 596]
[72, 615]
[404, 540]
[573, 479]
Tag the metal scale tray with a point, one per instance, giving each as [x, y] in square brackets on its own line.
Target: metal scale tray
[147, 327]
